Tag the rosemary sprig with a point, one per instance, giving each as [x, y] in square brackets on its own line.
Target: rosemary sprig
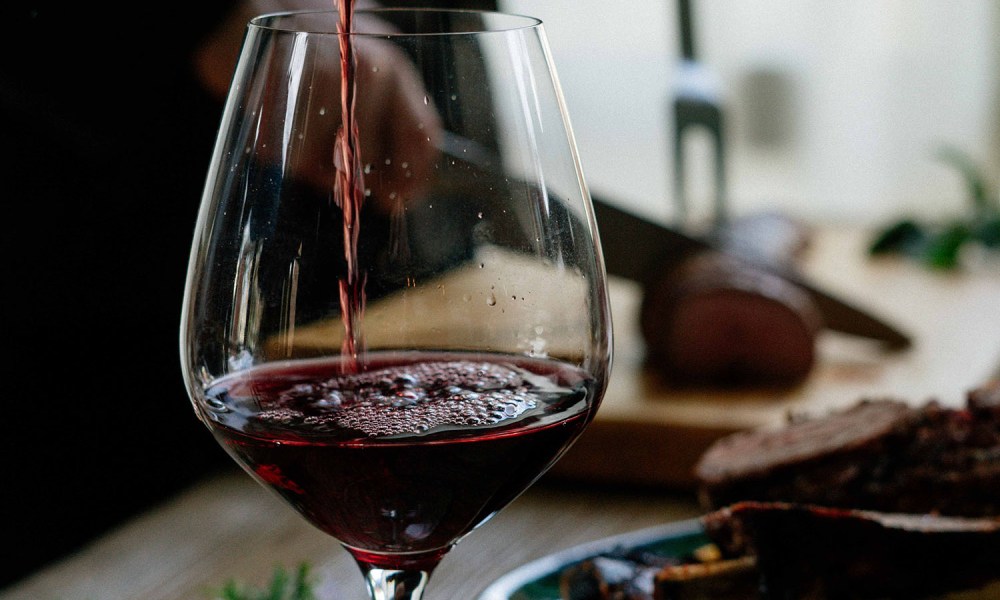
[283, 586]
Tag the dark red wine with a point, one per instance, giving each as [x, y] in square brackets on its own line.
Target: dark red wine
[401, 459]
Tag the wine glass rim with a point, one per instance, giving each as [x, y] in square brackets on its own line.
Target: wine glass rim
[280, 21]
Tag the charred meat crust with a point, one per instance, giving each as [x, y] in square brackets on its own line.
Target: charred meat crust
[880, 454]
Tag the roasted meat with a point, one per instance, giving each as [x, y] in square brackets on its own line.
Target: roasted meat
[880, 454]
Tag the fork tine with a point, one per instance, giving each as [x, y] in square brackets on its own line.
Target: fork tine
[696, 103]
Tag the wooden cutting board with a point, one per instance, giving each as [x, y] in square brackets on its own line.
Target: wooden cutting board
[651, 434]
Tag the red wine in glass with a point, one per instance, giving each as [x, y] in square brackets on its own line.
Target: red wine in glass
[401, 460]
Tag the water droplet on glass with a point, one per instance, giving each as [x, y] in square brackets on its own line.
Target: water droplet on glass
[480, 214]
[454, 96]
[491, 300]
[374, 69]
[322, 110]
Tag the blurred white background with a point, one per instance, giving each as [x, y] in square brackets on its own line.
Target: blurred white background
[834, 109]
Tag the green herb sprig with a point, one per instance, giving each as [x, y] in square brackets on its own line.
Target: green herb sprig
[283, 586]
[939, 245]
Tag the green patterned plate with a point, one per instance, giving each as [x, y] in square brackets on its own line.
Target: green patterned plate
[539, 579]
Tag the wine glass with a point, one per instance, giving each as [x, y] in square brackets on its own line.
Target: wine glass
[396, 314]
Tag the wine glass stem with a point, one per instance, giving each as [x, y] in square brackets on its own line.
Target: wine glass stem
[393, 584]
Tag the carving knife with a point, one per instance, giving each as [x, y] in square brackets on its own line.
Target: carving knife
[635, 247]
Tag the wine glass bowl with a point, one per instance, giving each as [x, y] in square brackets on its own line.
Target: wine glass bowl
[396, 314]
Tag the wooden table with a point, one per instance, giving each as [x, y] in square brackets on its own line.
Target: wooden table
[231, 528]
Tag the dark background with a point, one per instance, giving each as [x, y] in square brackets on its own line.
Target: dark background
[107, 137]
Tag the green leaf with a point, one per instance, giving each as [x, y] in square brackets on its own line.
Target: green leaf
[303, 586]
[939, 247]
[942, 250]
[278, 583]
[988, 232]
[905, 236]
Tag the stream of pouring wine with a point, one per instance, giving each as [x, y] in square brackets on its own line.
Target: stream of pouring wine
[349, 193]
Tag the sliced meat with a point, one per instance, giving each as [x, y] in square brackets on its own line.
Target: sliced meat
[880, 454]
[824, 460]
[714, 319]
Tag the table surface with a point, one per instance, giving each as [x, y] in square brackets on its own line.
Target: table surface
[230, 528]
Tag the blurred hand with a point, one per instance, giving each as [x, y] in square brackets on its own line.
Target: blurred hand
[398, 126]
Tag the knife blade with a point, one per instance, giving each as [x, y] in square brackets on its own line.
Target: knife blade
[635, 247]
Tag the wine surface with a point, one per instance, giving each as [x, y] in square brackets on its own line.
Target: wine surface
[408, 454]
